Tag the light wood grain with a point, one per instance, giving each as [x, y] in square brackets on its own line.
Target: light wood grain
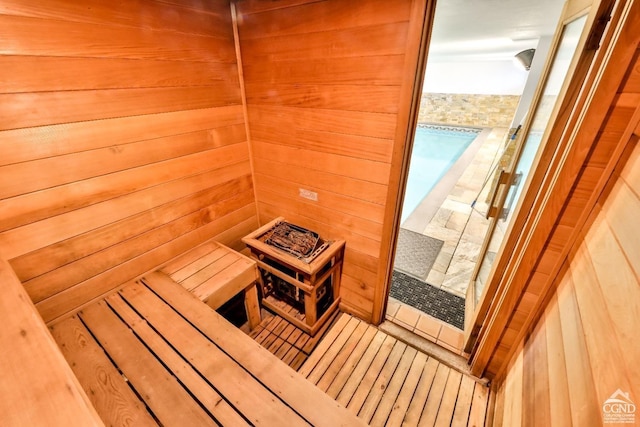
[112, 233]
[36, 235]
[376, 99]
[97, 286]
[110, 394]
[117, 143]
[32, 367]
[40, 174]
[49, 73]
[45, 108]
[37, 143]
[202, 391]
[320, 16]
[579, 353]
[228, 377]
[107, 41]
[171, 403]
[143, 14]
[382, 70]
[281, 380]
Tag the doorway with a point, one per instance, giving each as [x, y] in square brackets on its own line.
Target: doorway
[442, 234]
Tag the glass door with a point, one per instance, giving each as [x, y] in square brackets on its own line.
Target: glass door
[513, 180]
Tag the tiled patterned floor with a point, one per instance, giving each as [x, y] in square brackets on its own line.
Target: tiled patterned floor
[428, 299]
[426, 326]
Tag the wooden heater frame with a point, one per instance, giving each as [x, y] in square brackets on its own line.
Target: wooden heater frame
[307, 277]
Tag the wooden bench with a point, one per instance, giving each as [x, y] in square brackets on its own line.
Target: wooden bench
[215, 274]
[38, 388]
[183, 364]
[151, 353]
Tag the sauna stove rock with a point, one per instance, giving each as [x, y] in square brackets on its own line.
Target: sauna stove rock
[299, 272]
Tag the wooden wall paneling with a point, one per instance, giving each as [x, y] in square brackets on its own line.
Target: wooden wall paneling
[354, 191]
[41, 73]
[22, 145]
[106, 41]
[584, 405]
[383, 70]
[368, 148]
[152, 15]
[363, 42]
[319, 17]
[50, 257]
[620, 295]
[359, 123]
[367, 229]
[350, 167]
[558, 386]
[18, 241]
[496, 411]
[98, 286]
[323, 85]
[590, 320]
[621, 211]
[122, 141]
[541, 400]
[229, 237]
[377, 99]
[69, 275]
[513, 393]
[31, 207]
[344, 203]
[208, 6]
[45, 108]
[26, 177]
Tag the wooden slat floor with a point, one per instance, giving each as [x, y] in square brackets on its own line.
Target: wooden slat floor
[379, 378]
[288, 342]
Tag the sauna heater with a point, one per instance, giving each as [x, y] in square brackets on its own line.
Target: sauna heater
[299, 272]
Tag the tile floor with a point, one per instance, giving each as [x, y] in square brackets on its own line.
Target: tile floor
[426, 326]
[462, 228]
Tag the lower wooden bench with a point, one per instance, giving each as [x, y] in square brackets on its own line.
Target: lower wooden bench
[215, 274]
[153, 354]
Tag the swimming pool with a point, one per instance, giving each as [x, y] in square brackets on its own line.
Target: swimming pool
[435, 150]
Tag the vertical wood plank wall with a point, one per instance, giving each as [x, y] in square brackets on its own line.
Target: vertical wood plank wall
[622, 111]
[323, 81]
[584, 347]
[122, 141]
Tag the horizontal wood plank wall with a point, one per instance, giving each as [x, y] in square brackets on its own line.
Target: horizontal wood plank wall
[585, 346]
[623, 110]
[122, 141]
[323, 82]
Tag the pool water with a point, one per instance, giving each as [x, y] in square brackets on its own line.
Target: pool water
[435, 150]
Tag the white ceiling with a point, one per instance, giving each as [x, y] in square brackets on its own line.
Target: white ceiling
[490, 29]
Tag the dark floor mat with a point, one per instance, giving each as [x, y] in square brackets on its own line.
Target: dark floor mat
[416, 253]
[428, 299]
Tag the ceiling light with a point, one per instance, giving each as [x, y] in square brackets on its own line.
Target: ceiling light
[525, 58]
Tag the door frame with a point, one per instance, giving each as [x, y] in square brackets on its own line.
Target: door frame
[418, 40]
[540, 249]
[582, 117]
[475, 314]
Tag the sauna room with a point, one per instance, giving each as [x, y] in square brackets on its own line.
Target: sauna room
[200, 201]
